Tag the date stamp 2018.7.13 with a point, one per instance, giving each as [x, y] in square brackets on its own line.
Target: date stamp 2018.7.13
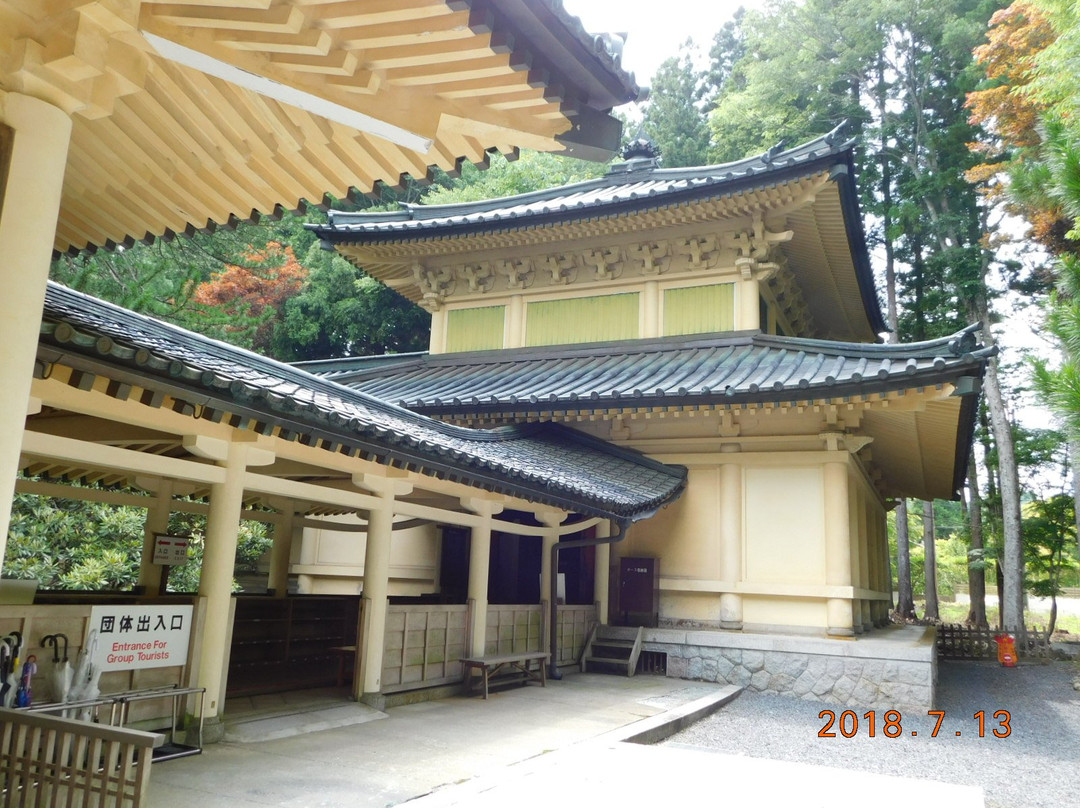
[891, 724]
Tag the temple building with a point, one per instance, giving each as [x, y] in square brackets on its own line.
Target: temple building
[723, 319]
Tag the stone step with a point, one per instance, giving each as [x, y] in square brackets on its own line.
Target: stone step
[607, 660]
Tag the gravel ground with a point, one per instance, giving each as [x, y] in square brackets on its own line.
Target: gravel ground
[1035, 766]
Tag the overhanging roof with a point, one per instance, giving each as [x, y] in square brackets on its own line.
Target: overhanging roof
[195, 115]
[828, 251]
[546, 463]
[725, 368]
[921, 450]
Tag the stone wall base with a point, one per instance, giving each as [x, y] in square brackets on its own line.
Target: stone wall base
[891, 668]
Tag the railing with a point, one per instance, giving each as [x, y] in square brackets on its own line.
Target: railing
[51, 761]
[955, 641]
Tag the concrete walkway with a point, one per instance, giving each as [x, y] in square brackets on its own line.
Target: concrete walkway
[523, 746]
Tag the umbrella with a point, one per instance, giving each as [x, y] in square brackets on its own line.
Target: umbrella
[84, 686]
[10, 684]
[60, 679]
[6, 664]
[24, 696]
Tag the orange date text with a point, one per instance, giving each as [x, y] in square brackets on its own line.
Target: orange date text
[892, 724]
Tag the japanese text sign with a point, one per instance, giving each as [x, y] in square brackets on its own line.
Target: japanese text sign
[130, 637]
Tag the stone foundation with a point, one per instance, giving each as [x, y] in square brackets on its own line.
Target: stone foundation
[891, 668]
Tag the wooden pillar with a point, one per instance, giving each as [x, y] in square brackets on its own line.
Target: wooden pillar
[866, 577]
[650, 304]
[285, 530]
[219, 563]
[838, 547]
[881, 539]
[731, 542]
[602, 573]
[551, 519]
[749, 304]
[377, 582]
[437, 340]
[515, 322]
[157, 521]
[479, 566]
[877, 580]
[857, 552]
[34, 139]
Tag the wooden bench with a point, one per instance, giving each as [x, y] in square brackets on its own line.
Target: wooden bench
[491, 665]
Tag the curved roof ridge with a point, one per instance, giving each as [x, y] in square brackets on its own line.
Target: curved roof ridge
[957, 344]
[621, 174]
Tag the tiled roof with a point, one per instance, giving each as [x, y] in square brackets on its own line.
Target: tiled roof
[637, 184]
[634, 186]
[730, 368]
[542, 463]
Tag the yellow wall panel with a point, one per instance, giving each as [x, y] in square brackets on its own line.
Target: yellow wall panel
[582, 319]
[699, 309]
[479, 329]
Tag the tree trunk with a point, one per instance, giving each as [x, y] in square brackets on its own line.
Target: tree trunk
[977, 555]
[999, 575]
[905, 602]
[930, 612]
[1012, 557]
[1074, 461]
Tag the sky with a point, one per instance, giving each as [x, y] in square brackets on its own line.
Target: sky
[656, 29]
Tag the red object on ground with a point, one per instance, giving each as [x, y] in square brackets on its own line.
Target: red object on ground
[1006, 644]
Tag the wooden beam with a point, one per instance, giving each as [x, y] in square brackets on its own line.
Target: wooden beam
[95, 456]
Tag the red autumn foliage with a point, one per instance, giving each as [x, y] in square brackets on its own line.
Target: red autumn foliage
[253, 296]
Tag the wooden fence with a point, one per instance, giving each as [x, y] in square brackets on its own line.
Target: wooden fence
[514, 629]
[50, 761]
[575, 622]
[955, 641]
[425, 643]
[424, 646]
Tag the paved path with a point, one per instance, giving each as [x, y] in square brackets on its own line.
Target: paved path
[524, 747]
[416, 748]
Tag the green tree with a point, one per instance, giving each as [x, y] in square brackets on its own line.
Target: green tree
[531, 171]
[341, 311]
[674, 118]
[803, 71]
[83, 545]
[1050, 533]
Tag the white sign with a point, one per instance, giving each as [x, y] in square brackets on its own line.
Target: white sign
[131, 637]
[170, 550]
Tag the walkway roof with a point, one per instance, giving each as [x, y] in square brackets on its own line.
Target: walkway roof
[544, 463]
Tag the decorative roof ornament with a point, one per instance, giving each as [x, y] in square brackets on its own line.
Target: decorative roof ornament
[641, 146]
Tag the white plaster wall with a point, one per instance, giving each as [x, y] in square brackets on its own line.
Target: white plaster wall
[332, 561]
[785, 525]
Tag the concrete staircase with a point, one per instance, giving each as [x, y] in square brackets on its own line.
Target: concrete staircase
[612, 649]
